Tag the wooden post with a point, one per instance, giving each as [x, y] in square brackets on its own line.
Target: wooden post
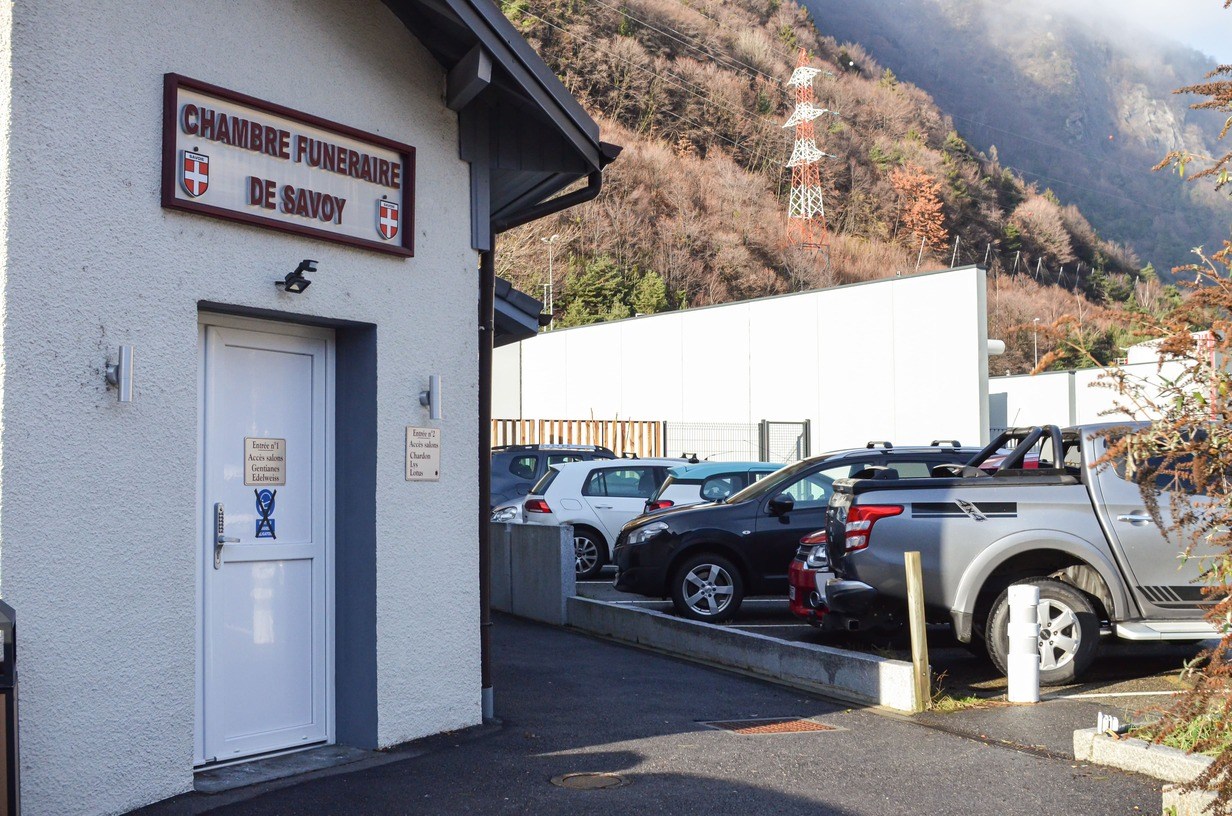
[919, 635]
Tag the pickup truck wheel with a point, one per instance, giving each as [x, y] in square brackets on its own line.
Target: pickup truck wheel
[1069, 632]
[589, 553]
[707, 588]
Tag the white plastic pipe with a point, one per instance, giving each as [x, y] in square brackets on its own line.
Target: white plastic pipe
[1023, 660]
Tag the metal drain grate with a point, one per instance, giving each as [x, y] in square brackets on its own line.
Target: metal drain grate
[776, 725]
[589, 781]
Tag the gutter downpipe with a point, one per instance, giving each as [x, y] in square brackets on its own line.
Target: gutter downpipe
[487, 328]
[487, 334]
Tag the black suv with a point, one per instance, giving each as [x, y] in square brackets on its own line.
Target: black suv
[515, 468]
[707, 557]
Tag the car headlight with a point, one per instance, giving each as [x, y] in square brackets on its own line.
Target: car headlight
[817, 558]
[509, 513]
[644, 534]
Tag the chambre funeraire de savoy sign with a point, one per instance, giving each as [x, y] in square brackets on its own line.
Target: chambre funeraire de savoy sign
[236, 157]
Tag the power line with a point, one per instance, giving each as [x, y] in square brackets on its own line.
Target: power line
[1086, 156]
[1134, 201]
[701, 93]
[702, 48]
[672, 79]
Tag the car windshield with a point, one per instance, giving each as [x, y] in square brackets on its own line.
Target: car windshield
[671, 480]
[771, 483]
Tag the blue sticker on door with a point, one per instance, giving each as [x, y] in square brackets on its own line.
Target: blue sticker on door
[265, 509]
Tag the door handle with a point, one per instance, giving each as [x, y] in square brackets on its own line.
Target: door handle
[1133, 518]
[603, 507]
[219, 538]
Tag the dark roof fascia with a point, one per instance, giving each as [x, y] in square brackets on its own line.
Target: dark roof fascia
[517, 314]
[544, 190]
[527, 69]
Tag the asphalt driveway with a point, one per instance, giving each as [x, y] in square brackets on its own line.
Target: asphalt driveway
[570, 703]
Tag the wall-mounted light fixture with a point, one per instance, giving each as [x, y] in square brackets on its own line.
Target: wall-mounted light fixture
[432, 397]
[295, 282]
[120, 374]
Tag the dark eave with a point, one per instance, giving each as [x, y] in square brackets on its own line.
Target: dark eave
[517, 314]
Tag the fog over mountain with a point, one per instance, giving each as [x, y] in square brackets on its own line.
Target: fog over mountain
[1076, 97]
[1200, 24]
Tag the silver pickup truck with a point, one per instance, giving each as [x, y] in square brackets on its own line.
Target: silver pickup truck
[1082, 534]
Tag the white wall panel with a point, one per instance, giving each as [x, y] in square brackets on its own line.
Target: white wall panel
[644, 353]
[507, 381]
[1076, 397]
[1042, 399]
[901, 359]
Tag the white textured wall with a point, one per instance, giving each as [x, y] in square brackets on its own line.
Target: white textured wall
[99, 519]
[901, 359]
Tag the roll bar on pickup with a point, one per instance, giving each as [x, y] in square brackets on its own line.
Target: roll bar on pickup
[1024, 439]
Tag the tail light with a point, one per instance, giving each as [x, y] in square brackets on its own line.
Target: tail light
[813, 539]
[659, 504]
[860, 521]
[537, 506]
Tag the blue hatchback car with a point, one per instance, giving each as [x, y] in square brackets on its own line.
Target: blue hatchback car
[707, 482]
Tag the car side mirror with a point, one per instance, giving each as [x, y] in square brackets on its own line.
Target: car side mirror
[781, 505]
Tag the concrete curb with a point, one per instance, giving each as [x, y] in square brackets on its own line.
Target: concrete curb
[853, 676]
[1158, 761]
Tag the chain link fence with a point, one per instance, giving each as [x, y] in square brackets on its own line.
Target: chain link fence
[764, 441]
[785, 442]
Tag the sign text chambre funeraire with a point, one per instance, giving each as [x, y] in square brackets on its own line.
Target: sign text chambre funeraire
[250, 134]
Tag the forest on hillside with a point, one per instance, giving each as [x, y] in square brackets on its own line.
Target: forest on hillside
[693, 211]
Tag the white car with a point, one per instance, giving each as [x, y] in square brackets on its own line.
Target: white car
[597, 498]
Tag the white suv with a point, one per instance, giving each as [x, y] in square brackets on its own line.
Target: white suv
[597, 498]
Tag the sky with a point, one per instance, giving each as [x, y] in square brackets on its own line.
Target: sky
[1203, 24]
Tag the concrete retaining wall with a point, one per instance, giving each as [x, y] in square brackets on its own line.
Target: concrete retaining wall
[860, 678]
[532, 571]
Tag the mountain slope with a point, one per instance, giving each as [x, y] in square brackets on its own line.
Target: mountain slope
[693, 211]
[1064, 104]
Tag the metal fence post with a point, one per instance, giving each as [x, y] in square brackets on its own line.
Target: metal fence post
[763, 441]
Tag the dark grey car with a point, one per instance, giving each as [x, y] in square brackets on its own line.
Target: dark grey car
[515, 468]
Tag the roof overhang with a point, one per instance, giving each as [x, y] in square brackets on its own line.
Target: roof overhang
[517, 314]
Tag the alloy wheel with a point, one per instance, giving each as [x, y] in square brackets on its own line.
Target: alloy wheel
[1060, 635]
[708, 589]
[585, 554]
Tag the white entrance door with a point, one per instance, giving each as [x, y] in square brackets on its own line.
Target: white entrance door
[266, 590]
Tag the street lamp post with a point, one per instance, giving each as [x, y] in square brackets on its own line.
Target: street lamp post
[1036, 341]
[549, 287]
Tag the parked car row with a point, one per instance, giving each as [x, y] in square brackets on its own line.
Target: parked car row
[599, 496]
[831, 531]
[708, 557]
